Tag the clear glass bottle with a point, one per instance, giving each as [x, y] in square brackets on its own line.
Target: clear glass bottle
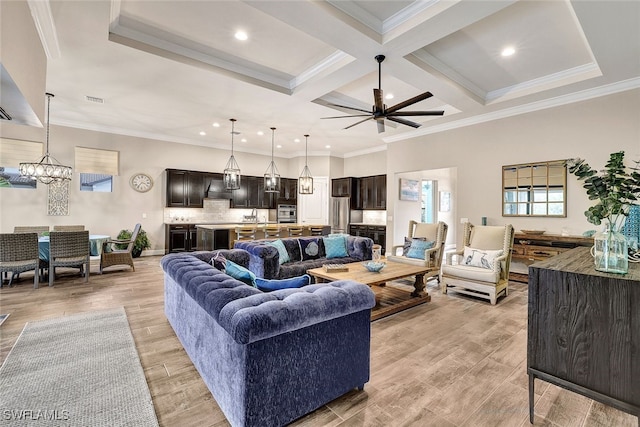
[610, 250]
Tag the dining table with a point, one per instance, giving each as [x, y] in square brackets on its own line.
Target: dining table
[96, 242]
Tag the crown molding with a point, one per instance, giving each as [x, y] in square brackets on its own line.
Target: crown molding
[46, 27]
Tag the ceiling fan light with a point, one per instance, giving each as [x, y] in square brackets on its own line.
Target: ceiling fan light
[47, 169]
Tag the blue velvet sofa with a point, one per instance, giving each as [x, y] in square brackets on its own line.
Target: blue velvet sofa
[268, 358]
[264, 258]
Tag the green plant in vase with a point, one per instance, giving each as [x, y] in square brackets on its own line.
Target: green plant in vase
[615, 188]
[142, 241]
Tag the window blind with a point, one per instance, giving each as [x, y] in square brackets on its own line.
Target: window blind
[13, 152]
[93, 160]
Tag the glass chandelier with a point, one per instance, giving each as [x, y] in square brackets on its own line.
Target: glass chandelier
[305, 182]
[48, 169]
[231, 177]
[272, 176]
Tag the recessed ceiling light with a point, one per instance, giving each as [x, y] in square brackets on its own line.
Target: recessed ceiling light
[241, 35]
[243, 140]
[508, 51]
[278, 146]
[203, 133]
[327, 146]
[296, 140]
[216, 125]
[389, 96]
[260, 133]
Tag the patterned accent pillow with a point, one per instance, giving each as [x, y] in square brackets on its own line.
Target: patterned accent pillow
[267, 285]
[218, 261]
[240, 273]
[335, 247]
[311, 248]
[283, 255]
[480, 257]
[417, 248]
[407, 244]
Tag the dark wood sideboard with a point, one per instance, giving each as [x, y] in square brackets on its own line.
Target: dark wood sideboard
[530, 248]
[584, 330]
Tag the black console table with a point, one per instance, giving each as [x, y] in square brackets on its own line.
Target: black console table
[584, 330]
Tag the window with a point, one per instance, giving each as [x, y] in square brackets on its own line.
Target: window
[534, 189]
[97, 168]
[12, 153]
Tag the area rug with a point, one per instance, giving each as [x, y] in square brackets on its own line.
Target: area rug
[80, 370]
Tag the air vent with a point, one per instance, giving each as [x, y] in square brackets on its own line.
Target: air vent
[4, 115]
[94, 99]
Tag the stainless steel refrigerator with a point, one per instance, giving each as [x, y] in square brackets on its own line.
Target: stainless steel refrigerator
[341, 215]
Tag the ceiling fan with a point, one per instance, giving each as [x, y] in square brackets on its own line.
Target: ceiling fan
[380, 111]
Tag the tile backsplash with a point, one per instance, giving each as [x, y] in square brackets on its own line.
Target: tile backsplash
[212, 212]
[374, 217]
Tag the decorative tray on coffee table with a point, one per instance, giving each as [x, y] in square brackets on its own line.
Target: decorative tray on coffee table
[335, 268]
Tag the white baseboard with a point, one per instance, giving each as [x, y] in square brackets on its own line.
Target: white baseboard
[152, 252]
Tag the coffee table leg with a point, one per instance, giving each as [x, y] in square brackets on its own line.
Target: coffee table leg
[418, 285]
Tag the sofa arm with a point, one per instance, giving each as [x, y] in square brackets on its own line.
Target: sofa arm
[239, 256]
[450, 256]
[263, 258]
[258, 317]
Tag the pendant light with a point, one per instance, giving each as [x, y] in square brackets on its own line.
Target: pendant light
[231, 177]
[48, 169]
[305, 182]
[272, 176]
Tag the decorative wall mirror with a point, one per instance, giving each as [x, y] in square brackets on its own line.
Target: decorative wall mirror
[535, 189]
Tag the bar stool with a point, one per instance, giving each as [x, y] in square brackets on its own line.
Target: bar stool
[271, 231]
[295, 231]
[246, 233]
[315, 231]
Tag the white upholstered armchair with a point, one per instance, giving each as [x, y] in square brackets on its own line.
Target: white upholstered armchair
[432, 256]
[482, 267]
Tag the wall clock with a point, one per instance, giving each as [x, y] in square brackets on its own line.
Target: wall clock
[141, 182]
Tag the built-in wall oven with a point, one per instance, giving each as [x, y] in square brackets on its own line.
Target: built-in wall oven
[287, 214]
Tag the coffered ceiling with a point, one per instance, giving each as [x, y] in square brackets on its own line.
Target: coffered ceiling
[169, 69]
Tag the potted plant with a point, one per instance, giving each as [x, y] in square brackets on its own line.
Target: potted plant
[142, 241]
[615, 188]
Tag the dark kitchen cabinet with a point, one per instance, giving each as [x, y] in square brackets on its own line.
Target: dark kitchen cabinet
[373, 192]
[214, 186]
[251, 194]
[347, 187]
[181, 238]
[185, 189]
[377, 233]
[288, 191]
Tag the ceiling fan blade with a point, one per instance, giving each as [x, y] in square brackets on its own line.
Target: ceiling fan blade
[357, 123]
[349, 108]
[404, 122]
[416, 113]
[410, 101]
[377, 97]
[380, 124]
[343, 117]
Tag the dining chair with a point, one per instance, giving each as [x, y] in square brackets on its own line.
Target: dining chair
[40, 229]
[246, 233]
[68, 228]
[19, 253]
[113, 253]
[69, 249]
[295, 231]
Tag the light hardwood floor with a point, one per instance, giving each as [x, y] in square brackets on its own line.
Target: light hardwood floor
[454, 361]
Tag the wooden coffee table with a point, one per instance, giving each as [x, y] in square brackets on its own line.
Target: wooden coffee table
[392, 271]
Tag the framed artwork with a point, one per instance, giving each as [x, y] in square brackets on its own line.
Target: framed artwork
[445, 201]
[409, 190]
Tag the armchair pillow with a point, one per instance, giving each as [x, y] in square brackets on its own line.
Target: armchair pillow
[335, 246]
[480, 257]
[407, 244]
[267, 285]
[417, 248]
[240, 273]
[283, 255]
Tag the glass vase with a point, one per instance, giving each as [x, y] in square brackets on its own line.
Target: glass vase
[610, 250]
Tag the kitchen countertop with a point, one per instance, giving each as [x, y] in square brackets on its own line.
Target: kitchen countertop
[247, 224]
[367, 223]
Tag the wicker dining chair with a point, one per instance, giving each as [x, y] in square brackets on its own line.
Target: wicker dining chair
[19, 253]
[68, 228]
[69, 249]
[113, 255]
[40, 229]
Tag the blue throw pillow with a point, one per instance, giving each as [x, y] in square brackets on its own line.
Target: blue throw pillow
[283, 255]
[267, 285]
[418, 247]
[335, 246]
[240, 273]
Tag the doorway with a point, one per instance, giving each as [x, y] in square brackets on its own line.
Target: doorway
[429, 191]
